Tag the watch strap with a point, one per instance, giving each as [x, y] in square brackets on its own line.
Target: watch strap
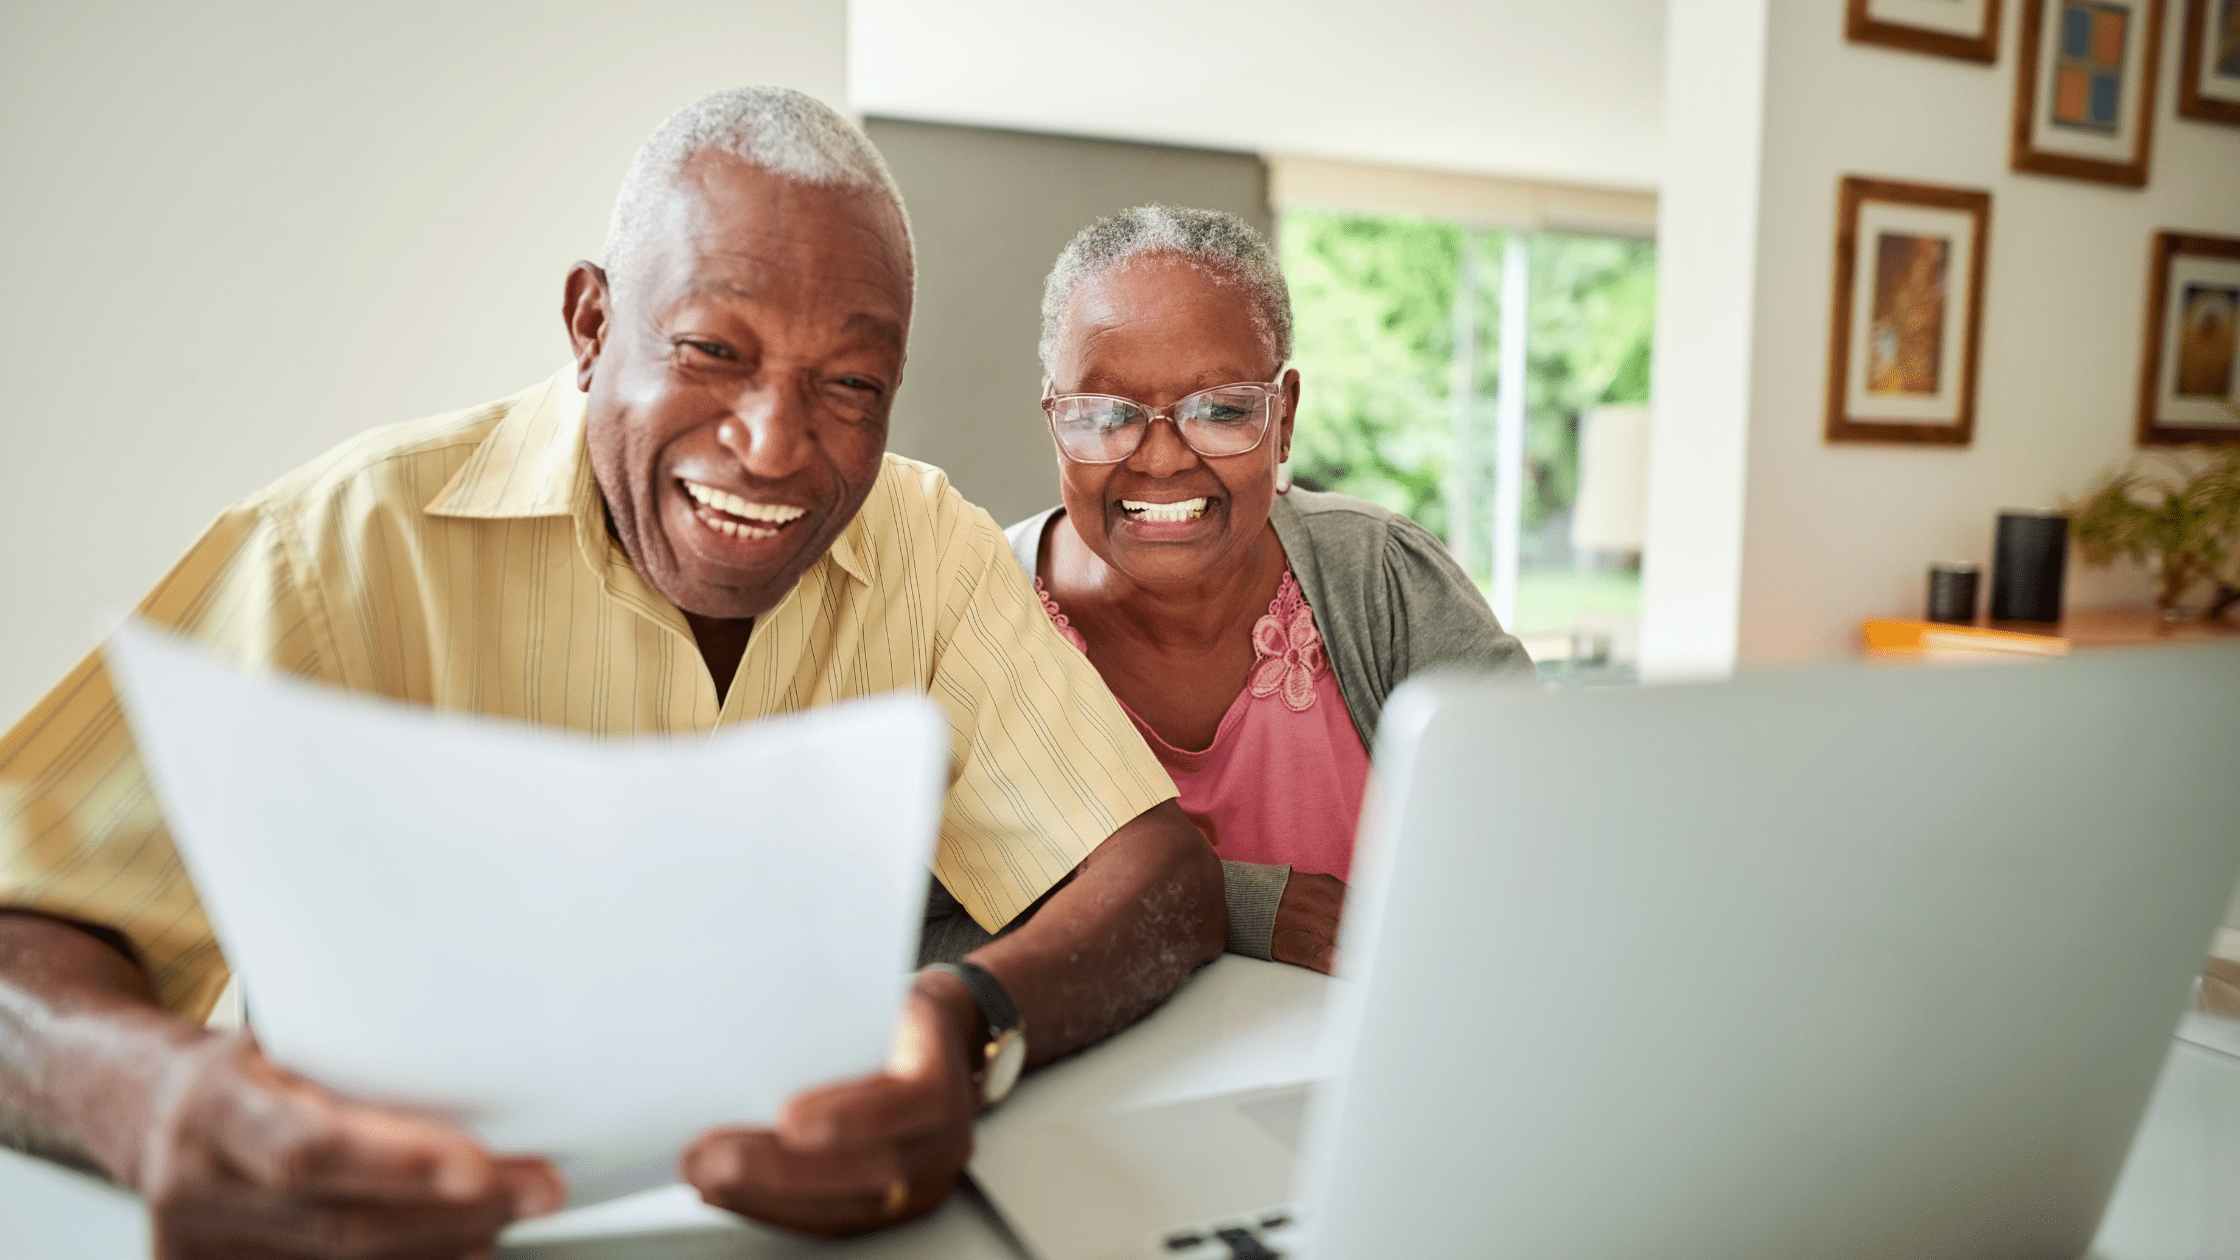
[987, 993]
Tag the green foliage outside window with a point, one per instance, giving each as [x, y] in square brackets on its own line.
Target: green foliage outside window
[1374, 300]
[1593, 319]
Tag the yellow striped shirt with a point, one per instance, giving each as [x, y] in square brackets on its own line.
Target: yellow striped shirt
[464, 562]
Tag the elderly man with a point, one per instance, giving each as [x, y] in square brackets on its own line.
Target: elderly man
[694, 524]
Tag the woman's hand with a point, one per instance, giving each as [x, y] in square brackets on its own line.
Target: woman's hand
[1307, 921]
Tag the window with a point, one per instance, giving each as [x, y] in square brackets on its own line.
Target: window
[1399, 346]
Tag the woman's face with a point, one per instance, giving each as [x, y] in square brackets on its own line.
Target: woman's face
[1154, 330]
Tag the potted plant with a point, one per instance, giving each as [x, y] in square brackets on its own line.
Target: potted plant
[2185, 528]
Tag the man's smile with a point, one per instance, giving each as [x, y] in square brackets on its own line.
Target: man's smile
[727, 513]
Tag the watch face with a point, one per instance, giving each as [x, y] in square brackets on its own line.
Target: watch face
[1007, 1055]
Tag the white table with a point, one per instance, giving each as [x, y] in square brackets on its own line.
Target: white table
[1239, 1024]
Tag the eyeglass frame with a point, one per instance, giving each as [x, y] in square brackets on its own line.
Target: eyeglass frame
[1155, 414]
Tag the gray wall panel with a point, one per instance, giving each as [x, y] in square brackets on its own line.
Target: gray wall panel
[991, 210]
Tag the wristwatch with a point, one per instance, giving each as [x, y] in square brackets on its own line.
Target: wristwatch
[1006, 1051]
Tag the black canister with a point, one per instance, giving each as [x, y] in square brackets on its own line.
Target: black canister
[2029, 556]
[1952, 592]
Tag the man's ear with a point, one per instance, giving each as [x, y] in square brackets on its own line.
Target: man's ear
[584, 308]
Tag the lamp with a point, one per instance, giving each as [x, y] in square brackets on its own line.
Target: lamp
[1611, 510]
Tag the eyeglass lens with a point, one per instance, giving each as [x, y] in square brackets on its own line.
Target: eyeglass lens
[1225, 420]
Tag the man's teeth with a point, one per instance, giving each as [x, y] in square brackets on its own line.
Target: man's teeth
[1187, 510]
[772, 515]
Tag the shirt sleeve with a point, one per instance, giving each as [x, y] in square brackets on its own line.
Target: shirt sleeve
[1043, 763]
[1254, 891]
[1439, 617]
[81, 835]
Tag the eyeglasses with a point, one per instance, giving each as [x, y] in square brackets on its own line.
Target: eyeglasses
[1105, 429]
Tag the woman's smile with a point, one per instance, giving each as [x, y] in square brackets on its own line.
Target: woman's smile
[1169, 520]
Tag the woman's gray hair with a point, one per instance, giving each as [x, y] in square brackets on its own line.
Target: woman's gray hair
[1213, 240]
[790, 134]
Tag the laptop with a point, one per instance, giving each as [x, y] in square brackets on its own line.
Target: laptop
[1839, 965]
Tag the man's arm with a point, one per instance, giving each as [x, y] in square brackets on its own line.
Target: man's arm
[1141, 912]
[75, 1012]
[233, 1154]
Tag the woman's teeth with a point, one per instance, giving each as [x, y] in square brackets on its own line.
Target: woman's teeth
[771, 516]
[1187, 510]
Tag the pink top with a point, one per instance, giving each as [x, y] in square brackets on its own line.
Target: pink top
[1283, 778]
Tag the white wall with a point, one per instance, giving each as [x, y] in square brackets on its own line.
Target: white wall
[236, 233]
[1691, 565]
[1526, 88]
[969, 401]
[1833, 534]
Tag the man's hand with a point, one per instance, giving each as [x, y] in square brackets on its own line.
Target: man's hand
[849, 1158]
[1141, 912]
[243, 1158]
[235, 1156]
[1307, 921]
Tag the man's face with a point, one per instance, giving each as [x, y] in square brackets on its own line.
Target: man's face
[740, 366]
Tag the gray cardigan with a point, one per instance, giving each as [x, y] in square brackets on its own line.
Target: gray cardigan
[1389, 602]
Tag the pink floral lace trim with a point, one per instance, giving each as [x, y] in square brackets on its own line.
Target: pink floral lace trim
[1058, 619]
[1287, 646]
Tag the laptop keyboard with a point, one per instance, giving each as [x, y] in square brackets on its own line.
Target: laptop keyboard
[1261, 1236]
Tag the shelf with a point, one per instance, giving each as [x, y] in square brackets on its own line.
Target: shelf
[2082, 628]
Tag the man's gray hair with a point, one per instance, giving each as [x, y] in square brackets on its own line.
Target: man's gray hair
[790, 134]
[1213, 240]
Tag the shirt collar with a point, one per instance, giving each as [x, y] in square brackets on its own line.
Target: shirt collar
[534, 463]
[849, 550]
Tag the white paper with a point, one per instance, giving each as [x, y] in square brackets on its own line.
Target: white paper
[589, 949]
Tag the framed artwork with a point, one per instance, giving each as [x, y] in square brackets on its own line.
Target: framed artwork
[2209, 73]
[2189, 378]
[1908, 312]
[2084, 89]
[1967, 29]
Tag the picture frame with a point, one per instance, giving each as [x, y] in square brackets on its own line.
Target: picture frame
[2209, 72]
[1967, 30]
[1907, 321]
[2084, 98]
[2189, 370]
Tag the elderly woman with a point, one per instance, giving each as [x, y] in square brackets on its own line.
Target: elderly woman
[1251, 630]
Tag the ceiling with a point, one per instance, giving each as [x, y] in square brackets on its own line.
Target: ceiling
[1569, 91]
